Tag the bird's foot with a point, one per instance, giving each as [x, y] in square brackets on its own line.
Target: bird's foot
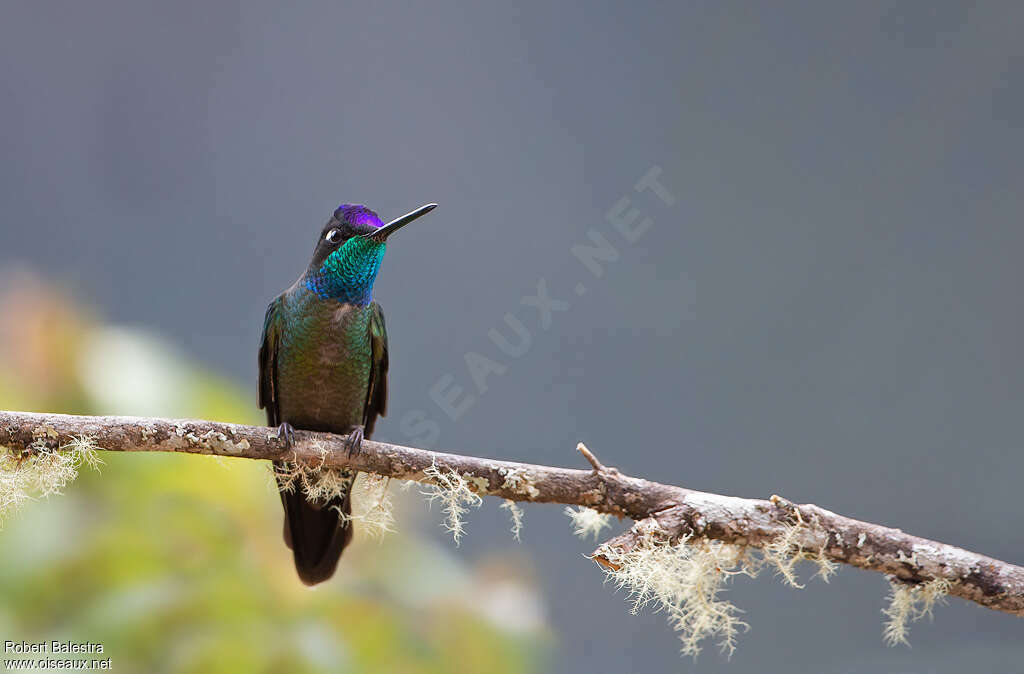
[354, 440]
[286, 432]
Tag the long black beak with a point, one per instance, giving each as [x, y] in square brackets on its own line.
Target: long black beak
[387, 230]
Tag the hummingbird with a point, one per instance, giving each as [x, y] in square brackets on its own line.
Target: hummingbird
[323, 366]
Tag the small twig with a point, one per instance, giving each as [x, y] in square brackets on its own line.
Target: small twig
[589, 456]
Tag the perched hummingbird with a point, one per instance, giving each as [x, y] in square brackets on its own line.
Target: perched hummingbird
[323, 367]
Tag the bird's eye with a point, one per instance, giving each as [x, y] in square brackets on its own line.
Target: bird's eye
[333, 236]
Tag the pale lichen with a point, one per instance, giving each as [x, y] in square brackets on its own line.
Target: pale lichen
[909, 603]
[371, 503]
[587, 521]
[41, 471]
[683, 579]
[519, 481]
[480, 485]
[785, 551]
[372, 506]
[215, 441]
[315, 482]
[86, 449]
[452, 490]
[516, 513]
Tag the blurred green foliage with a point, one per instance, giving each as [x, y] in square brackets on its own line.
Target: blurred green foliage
[176, 564]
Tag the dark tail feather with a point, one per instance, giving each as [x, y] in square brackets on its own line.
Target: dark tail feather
[315, 532]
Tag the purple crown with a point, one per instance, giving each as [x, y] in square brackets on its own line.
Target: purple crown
[357, 214]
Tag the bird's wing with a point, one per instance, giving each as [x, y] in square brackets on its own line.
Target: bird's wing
[377, 391]
[268, 362]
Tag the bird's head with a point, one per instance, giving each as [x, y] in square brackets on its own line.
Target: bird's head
[349, 252]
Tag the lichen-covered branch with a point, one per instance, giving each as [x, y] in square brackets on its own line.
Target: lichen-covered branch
[661, 511]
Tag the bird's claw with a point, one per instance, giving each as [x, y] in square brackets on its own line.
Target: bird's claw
[354, 441]
[286, 432]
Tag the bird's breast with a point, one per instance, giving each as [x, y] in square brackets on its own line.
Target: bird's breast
[323, 365]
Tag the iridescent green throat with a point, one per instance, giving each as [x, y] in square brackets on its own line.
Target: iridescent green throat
[348, 273]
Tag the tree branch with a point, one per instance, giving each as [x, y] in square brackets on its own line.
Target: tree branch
[670, 511]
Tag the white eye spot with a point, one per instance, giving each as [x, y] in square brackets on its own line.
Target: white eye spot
[333, 236]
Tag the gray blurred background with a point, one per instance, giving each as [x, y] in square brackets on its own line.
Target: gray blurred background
[827, 311]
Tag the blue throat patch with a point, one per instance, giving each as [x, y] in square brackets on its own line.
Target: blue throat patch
[347, 275]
